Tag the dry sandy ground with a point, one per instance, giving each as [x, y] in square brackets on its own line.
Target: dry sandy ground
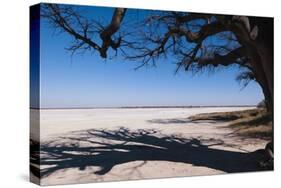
[90, 145]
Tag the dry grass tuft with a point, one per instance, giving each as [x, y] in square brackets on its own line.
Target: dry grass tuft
[255, 123]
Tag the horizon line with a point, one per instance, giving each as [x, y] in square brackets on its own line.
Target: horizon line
[157, 106]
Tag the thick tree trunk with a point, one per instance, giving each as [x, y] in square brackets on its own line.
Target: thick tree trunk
[260, 52]
[268, 97]
[265, 50]
[264, 75]
[262, 67]
[265, 53]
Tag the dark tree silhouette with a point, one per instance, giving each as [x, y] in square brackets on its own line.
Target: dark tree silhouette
[197, 41]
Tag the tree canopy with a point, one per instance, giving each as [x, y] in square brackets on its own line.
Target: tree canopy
[197, 41]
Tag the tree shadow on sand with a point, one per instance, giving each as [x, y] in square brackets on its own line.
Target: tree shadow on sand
[107, 148]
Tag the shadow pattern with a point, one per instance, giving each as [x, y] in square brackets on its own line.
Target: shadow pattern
[108, 148]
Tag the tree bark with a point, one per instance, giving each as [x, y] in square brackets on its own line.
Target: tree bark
[259, 50]
[264, 46]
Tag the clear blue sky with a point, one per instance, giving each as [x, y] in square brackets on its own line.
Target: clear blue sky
[89, 81]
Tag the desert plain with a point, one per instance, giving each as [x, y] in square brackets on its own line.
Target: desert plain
[112, 144]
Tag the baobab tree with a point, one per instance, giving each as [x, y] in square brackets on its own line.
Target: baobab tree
[196, 41]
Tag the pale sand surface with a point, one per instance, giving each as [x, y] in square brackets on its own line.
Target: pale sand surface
[89, 145]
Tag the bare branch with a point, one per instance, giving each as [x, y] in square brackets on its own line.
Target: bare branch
[65, 17]
[110, 30]
[225, 60]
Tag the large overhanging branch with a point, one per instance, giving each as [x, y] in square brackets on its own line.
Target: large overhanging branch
[209, 29]
[55, 14]
[224, 60]
[191, 62]
[197, 37]
[110, 30]
[155, 45]
[162, 44]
